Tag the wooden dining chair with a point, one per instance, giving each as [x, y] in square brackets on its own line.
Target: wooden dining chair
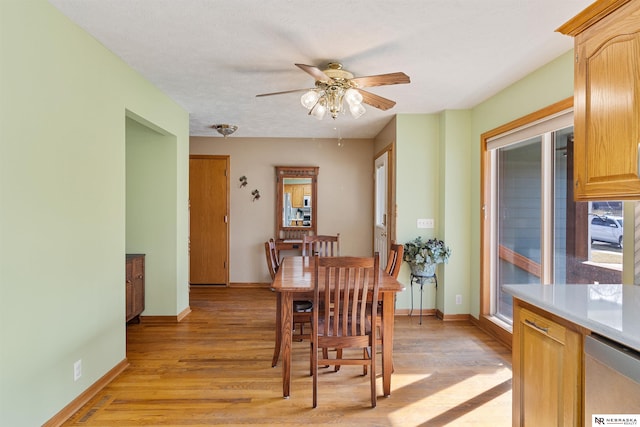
[273, 262]
[301, 308]
[394, 262]
[394, 259]
[322, 245]
[346, 289]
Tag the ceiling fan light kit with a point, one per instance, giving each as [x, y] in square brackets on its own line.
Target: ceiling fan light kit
[335, 86]
[330, 97]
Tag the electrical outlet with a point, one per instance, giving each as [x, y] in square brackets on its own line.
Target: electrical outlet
[77, 370]
[458, 299]
[425, 223]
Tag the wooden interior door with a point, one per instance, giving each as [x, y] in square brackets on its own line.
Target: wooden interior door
[381, 211]
[384, 215]
[209, 224]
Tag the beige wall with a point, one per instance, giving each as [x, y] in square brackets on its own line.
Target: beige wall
[345, 193]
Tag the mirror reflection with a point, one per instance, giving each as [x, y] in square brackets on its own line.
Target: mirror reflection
[297, 202]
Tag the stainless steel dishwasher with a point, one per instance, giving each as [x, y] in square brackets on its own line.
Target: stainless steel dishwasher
[612, 382]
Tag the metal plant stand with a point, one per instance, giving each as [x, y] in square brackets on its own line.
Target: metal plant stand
[421, 280]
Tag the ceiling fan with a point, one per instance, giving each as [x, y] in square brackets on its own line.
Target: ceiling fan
[334, 84]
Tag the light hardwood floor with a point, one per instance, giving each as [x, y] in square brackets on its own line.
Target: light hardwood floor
[214, 368]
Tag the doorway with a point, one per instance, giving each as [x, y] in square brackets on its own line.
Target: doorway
[383, 221]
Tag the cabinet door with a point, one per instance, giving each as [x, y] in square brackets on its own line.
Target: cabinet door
[297, 195]
[607, 107]
[138, 286]
[129, 302]
[546, 371]
[134, 286]
[129, 290]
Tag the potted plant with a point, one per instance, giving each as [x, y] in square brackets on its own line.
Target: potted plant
[423, 257]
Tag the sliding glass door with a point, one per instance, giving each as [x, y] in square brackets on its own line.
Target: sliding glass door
[538, 233]
[519, 222]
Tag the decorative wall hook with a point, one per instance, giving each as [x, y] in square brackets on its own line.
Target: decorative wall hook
[255, 194]
[243, 181]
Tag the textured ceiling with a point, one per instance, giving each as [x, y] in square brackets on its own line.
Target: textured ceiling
[213, 56]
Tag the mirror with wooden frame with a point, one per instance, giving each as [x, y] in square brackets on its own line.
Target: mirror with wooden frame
[296, 201]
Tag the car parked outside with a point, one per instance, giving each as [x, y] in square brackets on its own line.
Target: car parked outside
[607, 229]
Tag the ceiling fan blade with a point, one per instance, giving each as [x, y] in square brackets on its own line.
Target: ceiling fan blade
[283, 92]
[382, 80]
[376, 100]
[314, 72]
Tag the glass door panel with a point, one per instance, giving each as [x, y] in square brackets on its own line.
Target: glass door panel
[519, 222]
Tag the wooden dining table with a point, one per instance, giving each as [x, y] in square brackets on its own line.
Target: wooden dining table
[295, 279]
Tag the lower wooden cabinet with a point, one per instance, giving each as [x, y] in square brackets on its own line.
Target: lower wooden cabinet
[547, 369]
[134, 286]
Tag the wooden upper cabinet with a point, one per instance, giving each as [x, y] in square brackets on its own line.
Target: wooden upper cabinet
[297, 192]
[607, 100]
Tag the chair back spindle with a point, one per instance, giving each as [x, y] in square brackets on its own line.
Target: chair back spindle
[322, 245]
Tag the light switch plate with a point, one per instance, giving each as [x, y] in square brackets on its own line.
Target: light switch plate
[77, 370]
[425, 223]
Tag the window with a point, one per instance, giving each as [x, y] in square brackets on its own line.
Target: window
[533, 231]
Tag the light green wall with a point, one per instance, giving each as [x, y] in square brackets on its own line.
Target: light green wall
[62, 207]
[417, 189]
[433, 175]
[454, 204]
[545, 86]
[438, 176]
[151, 215]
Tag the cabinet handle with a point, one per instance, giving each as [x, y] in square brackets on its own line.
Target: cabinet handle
[540, 328]
[128, 281]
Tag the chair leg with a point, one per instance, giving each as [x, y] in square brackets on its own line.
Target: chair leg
[338, 356]
[314, 373]
[372, 374]
[365, 355]
[311, 360]
[325, 355]
[298, 337]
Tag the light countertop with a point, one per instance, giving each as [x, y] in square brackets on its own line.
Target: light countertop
[612, 311]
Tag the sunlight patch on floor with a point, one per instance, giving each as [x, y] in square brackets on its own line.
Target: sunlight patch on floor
[472, 401]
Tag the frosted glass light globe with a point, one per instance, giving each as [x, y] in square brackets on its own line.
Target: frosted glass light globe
[353, 97]
[309, 99]
[319, 111]
[357, 110]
